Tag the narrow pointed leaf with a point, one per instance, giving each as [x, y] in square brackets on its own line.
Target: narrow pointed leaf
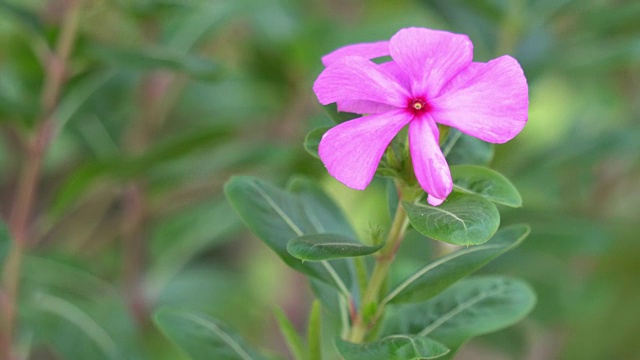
[393, 347]
[318, 247]
[277, 216]
[443, 272]
[464, 219]
[202, 337]
[472, 307]
[291, 336]
[314, 331]
[491, 185]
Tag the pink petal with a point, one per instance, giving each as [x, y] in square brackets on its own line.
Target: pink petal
[356, 78]
[352, 150]
[429, 164]
[366, 50]
[364, 107]
[487, 100]
[430, 57]
[370, 107]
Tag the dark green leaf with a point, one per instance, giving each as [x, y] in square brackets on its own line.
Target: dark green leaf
[312, 140]
[276, 217]
[442, 273]
[338, 116]
[202, 337]
[393, 347]
[491, 185]
[471, 307]
[463, 219]
[321, 210]
[460, 148]
[25, 16]
[317, 247]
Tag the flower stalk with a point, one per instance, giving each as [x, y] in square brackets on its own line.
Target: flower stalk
[366, 319]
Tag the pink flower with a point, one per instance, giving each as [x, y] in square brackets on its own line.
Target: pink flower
[431, 80]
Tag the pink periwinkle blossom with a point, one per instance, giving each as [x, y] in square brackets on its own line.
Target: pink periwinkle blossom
[430, 80]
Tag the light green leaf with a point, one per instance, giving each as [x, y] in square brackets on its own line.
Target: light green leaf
[491, 185]
[312, 140]
[5, 242]
[471, 307]
[442, 273]
[277, 216]
[393, 347]
[318, 247]
[202, 337]
[463, 219]
[291, 336]
[314, 331]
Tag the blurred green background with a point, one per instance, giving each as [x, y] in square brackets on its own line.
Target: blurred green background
[163, 100]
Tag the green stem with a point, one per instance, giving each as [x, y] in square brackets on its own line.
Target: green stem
[370, 301]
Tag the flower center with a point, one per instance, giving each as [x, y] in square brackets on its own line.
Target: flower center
[418, 105]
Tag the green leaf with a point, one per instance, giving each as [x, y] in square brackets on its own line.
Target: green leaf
[460, 148]
[28, 18]
[322, 211]
[463, 219]
[314, 331]
[202, 337]
[291, 336]
[312, 140]
[338, 116]
[277, 216]
[442, 273]
[318, 247]
[393, 347]
[471, 307]
[491, 185]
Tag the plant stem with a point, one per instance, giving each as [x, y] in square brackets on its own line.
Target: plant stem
[27, 187]
[370, 301]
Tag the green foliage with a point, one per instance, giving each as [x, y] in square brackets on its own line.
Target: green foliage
[319, 247]
[472, 307]
[463, 219]
[277, 217]
[445, 271]
[393, 347]
[202, 337]
[486, 183]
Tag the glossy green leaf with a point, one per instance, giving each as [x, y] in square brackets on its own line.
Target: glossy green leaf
[317, 247]
[277, 216]
[442, 273]
[460, 148]
[491, 185]
[393, 347]
[471, 307]
[322, 211]
[312, 140]
[463, 219]
[202, 337]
